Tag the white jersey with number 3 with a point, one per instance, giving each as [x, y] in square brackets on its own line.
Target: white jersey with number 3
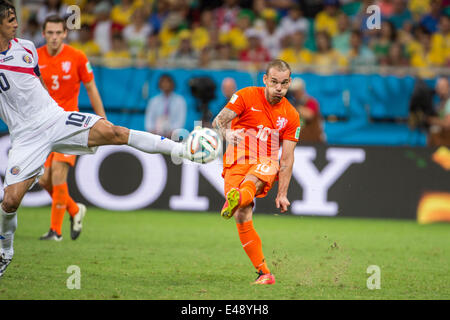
[25, 105]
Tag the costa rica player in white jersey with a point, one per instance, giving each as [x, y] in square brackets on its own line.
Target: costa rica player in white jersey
[38, 126]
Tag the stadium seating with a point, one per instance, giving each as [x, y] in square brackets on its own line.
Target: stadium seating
[354, 99]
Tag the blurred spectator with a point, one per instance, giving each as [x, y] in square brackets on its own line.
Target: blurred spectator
[85, 42]
[184, 54]
[51, 7]
[326, 20]
[136, 33]
[168, 35]
[341, 41]
[151, 52]
[271, 34]
[159, 15]
[200, 30]
[255, 52]
[308, 108]
[439, 132]
[122, 11]
[396, 56]
[33, 32]
[440, 41]
[359, 55]
[229, 87]
[423, 57]
[296, 53]
[225, 53]
[236, 36]
[118, 56]
[400, 14]
[226, 15]
[104, 27]
[166, 111]
[205, 57]
[282, 6]
[431, 20]
[384, 39]
[294, 21]
[386, 8]
[326, 59]
[87, 13]
[258, 6]
[419, 8]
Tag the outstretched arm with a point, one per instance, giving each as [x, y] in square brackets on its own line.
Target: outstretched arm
[94, 97]
[285, 173]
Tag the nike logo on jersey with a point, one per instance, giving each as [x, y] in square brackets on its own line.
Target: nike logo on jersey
[42, 66]
[253, 109]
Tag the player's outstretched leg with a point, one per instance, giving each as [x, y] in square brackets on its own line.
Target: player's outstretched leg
[105, 133]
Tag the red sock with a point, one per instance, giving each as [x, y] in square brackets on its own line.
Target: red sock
[248, 191]
[59, 199]
[252, 245]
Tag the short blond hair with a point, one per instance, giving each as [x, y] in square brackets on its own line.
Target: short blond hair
[279, 64]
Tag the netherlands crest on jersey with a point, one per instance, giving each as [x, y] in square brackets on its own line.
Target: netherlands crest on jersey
[65, 66]
[27, 59]
[281, 123]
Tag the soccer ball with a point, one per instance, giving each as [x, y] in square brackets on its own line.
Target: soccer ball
[203, 145]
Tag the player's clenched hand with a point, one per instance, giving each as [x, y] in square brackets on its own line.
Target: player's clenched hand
[282, 203]
[234, 136]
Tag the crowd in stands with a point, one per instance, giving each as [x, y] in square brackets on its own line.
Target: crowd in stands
[330, 35]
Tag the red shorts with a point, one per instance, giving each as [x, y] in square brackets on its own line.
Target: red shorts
[266, 171]
[60, 157]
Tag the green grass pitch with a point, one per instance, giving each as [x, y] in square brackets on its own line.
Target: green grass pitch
[183, 255]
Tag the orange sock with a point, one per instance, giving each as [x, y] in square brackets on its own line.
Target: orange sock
[72, 206]
[248, 191]
[59, 199]
[252, 245]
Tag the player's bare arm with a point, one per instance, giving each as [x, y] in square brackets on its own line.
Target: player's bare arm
[222, 123]
[94, 97]
[285, 173]
[42, 82]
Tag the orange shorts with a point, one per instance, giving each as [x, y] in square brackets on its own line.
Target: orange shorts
[266, 171]
[60, 157]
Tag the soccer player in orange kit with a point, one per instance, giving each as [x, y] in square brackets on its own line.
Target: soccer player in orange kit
[63, 68]
[256, 122]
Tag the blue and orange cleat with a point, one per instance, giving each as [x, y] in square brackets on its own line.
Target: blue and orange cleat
[264, 278]
[232, 202]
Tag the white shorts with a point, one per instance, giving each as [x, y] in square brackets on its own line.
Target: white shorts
[69, 134]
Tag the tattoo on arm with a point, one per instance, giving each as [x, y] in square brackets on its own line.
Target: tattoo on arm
[223, 121]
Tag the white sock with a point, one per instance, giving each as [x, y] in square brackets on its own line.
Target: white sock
[152, 143]
[8, 225]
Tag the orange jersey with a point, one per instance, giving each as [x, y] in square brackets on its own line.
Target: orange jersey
[265, 126]
[63, 74]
